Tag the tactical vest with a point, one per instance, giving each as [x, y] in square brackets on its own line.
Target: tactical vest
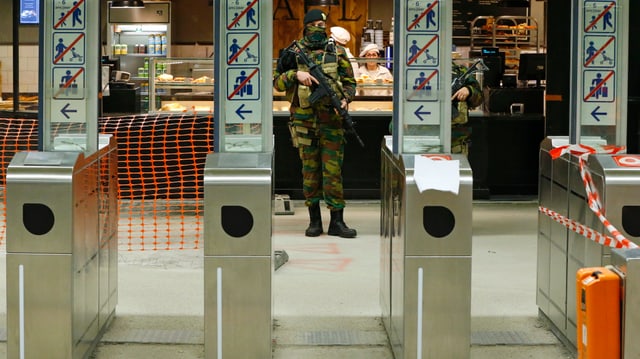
[329, 66]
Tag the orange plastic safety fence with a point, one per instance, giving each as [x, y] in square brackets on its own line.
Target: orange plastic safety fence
[15, 136]
[160, 175]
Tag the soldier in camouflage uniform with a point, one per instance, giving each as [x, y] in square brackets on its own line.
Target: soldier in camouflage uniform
[468, 96]
[316, 129]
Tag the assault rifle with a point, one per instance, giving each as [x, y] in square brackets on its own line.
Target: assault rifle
[458, 82]
[324, 89]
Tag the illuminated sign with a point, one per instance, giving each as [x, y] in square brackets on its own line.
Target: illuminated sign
[29, 11]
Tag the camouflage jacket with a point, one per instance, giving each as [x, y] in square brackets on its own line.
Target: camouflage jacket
[475, 92]
[284, 77]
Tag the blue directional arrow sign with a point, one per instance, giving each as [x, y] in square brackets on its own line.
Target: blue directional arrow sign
[419, 112]
[595, 113]
[240, 111]
[66, 110]
[422, 113]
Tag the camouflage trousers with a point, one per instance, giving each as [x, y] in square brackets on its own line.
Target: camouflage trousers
[460, 139]
[322, 155]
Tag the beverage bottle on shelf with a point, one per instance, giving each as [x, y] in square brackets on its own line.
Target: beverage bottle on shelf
[388, 51]
[163, 44]
[151, 48]
[379, 34]
[158, 44]
[391, 33]
[370, 34]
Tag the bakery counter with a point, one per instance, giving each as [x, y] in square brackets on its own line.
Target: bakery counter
[503, 156]
[376, 107]
[361, 170]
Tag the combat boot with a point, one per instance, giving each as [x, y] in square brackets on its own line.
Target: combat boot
[337, 227]
[315, 223]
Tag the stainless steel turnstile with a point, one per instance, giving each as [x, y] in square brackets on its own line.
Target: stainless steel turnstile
[426, 262]
[627, 263]
[61, 252]
[562, 252]
[238, 255]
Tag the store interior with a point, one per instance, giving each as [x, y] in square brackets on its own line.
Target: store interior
[165, 66]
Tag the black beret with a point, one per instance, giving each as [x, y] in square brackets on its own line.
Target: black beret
[314, 15]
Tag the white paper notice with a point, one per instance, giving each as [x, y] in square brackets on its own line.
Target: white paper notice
[438, 175]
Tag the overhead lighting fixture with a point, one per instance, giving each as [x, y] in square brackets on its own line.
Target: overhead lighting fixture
[308, 3]
[127, 3]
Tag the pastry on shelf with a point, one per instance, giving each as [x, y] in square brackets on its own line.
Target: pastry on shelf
[202, 80]
[165, 77]
[173, 107]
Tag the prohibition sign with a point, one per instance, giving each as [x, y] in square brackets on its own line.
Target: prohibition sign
[239, 16]
[601, 51]
[238, 88]
[426, 80]
[598, 86]
[68, 82]
[627, 161]
[241, 49]
[59, 57]
[71, 11]
[415, 22]
[420, 86]
[414, 57]
[595, 19]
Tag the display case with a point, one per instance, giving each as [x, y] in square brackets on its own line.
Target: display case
[181, 85]
[373, 97]
[178, 85]
[133, 36]
[510, 33]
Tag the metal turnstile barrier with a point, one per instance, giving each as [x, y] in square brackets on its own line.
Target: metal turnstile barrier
[425, 262]
[626, 263]
[238, 251]
[562, 252]
[62, 228]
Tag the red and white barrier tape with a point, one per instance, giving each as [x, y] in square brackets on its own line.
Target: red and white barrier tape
[583, 151]
[586, 231]
[580, 150]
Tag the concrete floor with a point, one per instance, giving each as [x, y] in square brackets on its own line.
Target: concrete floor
[329, 291]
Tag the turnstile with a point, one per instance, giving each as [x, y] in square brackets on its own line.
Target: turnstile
[425, 262]
[626, 262]
[561, 252]
[62, 228]
[238, 255]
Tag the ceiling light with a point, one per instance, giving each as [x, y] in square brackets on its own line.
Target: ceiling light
[127, 3]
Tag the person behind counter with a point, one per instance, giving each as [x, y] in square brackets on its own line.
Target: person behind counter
[371, 68]
[342, 38]
[316, 129]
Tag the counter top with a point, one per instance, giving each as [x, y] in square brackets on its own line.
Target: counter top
[356, 108]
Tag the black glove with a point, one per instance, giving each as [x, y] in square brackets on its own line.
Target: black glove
[286, 61]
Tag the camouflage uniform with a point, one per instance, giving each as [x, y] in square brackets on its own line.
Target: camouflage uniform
[316, 128]
[460, 134]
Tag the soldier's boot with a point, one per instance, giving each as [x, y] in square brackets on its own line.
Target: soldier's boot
[315, 221]
[337, 227]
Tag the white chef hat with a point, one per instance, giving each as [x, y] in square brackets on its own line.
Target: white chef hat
[340, 34]
[369, 48]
